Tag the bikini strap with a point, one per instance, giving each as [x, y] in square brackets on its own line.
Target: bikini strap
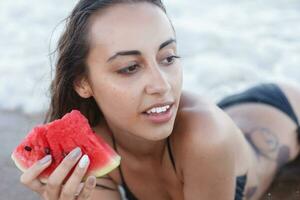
[114, 142]
[290, 110]
[119, 168]
[128, 192]
[170, 153]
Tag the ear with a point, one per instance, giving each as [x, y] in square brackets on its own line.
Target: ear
[82, 87]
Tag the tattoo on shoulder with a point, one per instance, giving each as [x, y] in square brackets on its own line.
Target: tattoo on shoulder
[266, 144]
[263, 141]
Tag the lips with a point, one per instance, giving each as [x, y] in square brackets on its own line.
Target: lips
[160, 118]
[159, 105]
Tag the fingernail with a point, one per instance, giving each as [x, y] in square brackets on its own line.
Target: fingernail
[91, 181]
[84, 161]
[75, 153]
[44, 160]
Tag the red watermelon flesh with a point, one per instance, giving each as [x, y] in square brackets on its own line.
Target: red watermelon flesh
[60, 137]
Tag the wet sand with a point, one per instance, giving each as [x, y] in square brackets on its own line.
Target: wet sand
[15, 125]
[286, 185]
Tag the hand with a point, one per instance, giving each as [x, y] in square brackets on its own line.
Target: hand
[54, 189]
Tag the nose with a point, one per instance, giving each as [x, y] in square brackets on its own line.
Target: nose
[157, 81]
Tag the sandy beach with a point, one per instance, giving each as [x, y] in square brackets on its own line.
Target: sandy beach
[14, 125]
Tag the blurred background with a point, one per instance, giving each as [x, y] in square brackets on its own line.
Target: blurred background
[226, 45]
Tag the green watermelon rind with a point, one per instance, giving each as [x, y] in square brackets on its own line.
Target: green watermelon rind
[18, 163]
[114, 163]
[111, 164]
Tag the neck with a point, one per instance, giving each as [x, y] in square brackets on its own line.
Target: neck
[136, 147]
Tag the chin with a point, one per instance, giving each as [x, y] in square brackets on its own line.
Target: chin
[159, 134]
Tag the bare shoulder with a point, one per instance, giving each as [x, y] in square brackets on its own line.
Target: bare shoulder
[206, 140]
[200, 119]
[204, 128]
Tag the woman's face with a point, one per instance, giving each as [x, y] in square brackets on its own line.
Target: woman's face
[133, 68]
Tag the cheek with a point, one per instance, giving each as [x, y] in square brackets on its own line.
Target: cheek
[116, 101]
[176, 77]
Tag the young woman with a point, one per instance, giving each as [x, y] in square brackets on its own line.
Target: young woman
[118, 64]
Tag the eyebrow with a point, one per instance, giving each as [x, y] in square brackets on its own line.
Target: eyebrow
[136, 52]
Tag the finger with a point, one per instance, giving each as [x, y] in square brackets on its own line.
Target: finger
[57, 177]
[29, 177]
[72, 184]
[88, 189]
[79, 189]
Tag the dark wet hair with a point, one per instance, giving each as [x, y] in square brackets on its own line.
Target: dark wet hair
[72, 51]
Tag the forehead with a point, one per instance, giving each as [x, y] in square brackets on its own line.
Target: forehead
[124, 26]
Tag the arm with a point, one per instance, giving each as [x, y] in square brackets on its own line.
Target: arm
[209, 159]
[106, 188]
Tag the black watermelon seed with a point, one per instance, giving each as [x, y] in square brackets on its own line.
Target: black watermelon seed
[27, 148]
[47, 150]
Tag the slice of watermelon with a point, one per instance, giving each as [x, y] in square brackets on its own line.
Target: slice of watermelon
[60, 137]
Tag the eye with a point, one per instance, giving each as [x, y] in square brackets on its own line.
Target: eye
[129, 70]
[170, 60]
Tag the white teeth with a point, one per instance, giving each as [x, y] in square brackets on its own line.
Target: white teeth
[158, 109]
